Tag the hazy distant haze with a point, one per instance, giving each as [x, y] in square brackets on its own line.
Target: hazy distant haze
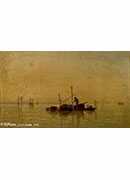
[42, 75]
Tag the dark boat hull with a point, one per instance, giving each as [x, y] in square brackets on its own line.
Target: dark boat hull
[70, 108]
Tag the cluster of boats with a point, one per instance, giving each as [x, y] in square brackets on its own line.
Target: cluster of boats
[74, 106]
[70, 107]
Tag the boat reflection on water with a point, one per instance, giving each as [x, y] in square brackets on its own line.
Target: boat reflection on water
[74, 119]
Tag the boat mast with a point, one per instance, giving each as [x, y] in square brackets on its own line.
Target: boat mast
[72, 94]
[59, 98]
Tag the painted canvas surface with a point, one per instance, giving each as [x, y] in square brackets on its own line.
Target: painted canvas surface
[64, 89]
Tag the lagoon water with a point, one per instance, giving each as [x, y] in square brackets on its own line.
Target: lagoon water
[106, 115]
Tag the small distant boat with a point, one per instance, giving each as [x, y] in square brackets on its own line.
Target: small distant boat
[31, 102]
[120, 103]
[71, 107]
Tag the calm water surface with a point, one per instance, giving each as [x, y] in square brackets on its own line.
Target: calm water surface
[106, 115]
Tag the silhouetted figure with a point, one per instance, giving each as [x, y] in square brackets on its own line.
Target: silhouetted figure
[76, 100]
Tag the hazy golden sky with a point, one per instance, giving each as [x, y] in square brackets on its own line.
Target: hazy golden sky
[42, 75]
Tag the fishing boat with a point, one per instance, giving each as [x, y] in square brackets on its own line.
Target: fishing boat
[74, 106]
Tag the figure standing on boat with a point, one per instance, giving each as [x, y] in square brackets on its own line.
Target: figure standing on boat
[76, 103]
[76, 100]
